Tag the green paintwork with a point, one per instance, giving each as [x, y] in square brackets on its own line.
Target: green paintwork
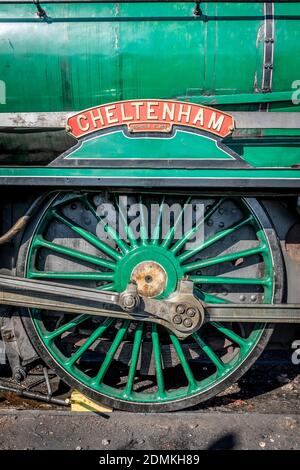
[139, 177]
[88, 54]
[166, 252]
[185, 145]
[116, 145]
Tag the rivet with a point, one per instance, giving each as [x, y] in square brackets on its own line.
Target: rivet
[221, 224]
[242, 297]
[73, 206]
[253, 298]
[210, 222]
[221, 210]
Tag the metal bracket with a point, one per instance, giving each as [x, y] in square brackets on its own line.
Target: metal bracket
[40, 10]
[268, 52]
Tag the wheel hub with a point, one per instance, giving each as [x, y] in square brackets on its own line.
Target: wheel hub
[150, 278]
[157, 278]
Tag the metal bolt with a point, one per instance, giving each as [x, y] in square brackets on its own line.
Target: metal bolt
[129, 301]
[8, 335]
[187, 322]
[242, 297]
[180, 308]
[19, 374]
[191, 312]
[253, 298]
[177, 319]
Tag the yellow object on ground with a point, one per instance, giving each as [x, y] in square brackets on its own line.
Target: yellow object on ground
[81, 403]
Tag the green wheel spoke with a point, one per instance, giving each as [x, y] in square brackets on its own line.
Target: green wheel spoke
[220, 366]
[264, 281]
[92, 276]
[186, 237]
[134, 359]
[158, 364]
[184, 363]
[157, 228]
[111, 353]
[40, 242]
[223, 258]
[143, 223]
[108, 229]
[48, 337]
[169, 237]
[215, 238]
[88, 236]
[94, 336]
[242, 342]
[128, 231]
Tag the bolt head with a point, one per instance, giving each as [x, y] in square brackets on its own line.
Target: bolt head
[129, 301]
[191, 312]
[177, 319]
[187, 322]
[180, 309]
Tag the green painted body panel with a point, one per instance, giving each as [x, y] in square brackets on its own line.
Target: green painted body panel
[87, 54]
[139, 177]
[116, 145]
